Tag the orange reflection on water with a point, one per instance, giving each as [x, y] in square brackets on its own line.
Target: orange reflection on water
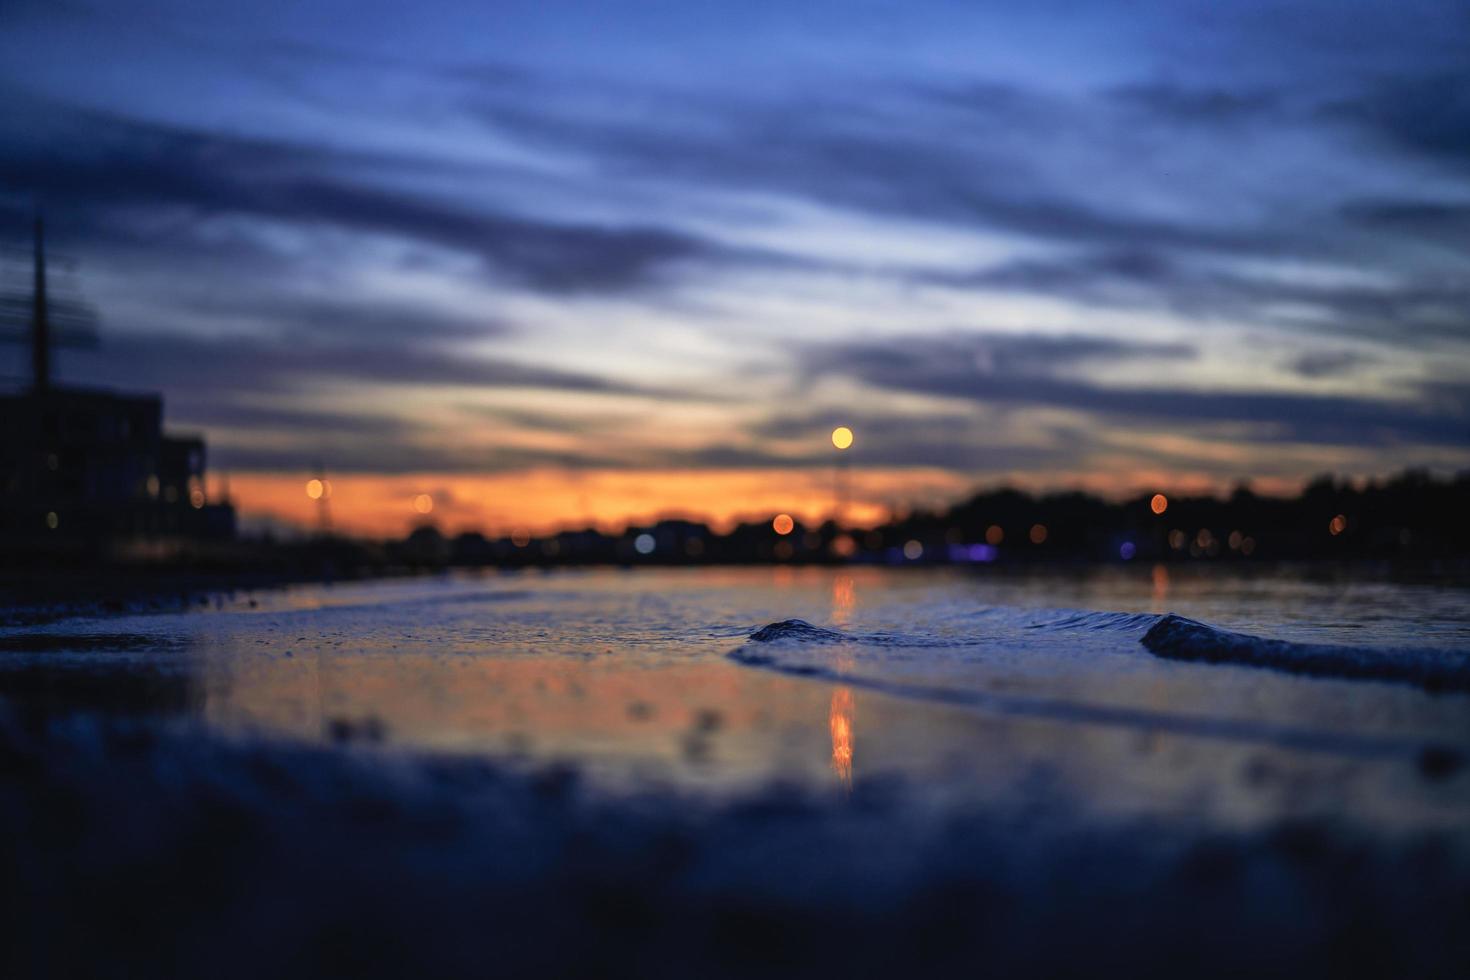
[839, 720]
[843, 599]
[1161, 587]
[839, 715]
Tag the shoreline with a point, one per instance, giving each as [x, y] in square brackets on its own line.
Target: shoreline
[35, 596]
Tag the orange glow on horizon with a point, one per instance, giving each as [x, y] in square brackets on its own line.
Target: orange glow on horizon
[548, 499]
[543, 500]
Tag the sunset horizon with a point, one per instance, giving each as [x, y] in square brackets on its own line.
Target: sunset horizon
[542, 502]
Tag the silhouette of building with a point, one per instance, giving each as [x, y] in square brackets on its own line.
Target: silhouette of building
[90, 465]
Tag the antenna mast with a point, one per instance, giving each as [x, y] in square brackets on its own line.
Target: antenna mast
[40, 320]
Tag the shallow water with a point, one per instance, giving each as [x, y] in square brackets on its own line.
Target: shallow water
[953, 686]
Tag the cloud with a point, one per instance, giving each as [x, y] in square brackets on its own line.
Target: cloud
[117, 178]
[972, 156]
[1423, 113]
[1444, 222]
[1327, 364]
[1030, 373]
[1167, 103]
[215, 365]
[1417, 306]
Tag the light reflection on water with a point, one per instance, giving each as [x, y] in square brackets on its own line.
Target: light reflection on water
[626, 676]
[839, 721]
[841, 712]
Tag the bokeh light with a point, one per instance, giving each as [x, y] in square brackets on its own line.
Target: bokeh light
[644, 544]
[1337, 525]
[1038, 533]
[1159, 504]
[423, 503]
[315, 489]
[913, 550]
[994, 535]
[842, 437]
[783, 524]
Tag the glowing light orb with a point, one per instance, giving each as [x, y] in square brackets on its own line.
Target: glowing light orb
[994, 535]
[315, 489]
[913, 550]
[423, 503]
[1337, 525]
[644, 544]
[783, 524]
[1159, 504]
[1038, 533]
[842, 437]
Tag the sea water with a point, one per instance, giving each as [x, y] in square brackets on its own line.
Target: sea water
[967, 687]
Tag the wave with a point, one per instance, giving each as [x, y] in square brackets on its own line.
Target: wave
[1177, 638]
[1108, 622]
[800, 631]
[798, 648]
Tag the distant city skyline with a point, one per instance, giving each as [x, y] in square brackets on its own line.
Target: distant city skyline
[556, 267]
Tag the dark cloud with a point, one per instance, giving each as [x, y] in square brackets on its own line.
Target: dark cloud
[1443, 222]
[183, 365]
[1168, 103]
[1425, 306]
[307, 320]
[1083, 275]
[1025, 372]
[975, 357]
[120, 178]
[1330, 363]
[1424, 113]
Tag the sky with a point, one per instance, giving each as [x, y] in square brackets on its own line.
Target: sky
[556, 263]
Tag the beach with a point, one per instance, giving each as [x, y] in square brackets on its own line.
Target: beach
[718, 771]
